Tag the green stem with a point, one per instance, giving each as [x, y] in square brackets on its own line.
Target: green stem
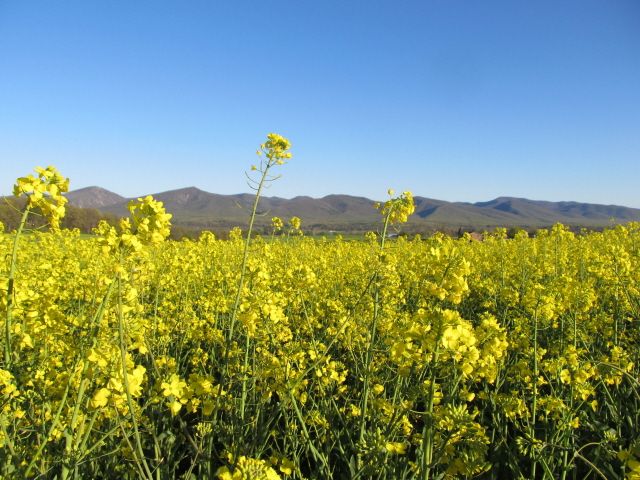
[236, 303]
[244, 379]
[317, 456]
[123, 354]
[429, 431]
[532, 431]
[245, 254]
[374, 327]
[66, 468]
[10, 288]
[54, 424]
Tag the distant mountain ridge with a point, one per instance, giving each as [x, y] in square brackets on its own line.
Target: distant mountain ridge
[192, 207]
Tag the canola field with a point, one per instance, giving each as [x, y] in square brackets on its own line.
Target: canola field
[127, 355]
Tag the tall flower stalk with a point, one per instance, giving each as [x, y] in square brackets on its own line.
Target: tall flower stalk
[395, 210]
[275, 151]
[43, 192]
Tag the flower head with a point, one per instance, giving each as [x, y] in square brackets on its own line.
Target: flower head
[276, 149]
[44, 191]
[399, 208]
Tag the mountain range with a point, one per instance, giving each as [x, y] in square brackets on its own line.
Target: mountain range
[195, 208]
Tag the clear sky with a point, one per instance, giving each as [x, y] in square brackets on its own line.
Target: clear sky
[455, 100]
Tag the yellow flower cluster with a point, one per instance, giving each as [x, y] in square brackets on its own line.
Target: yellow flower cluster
[248, 469]
[277, 224]
[149, 224]
[44, 192]
[275, 149]
[397, 209]
[150, 220]
[295, 223]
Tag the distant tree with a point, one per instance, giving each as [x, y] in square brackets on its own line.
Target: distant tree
[511, 232]
[178, 232]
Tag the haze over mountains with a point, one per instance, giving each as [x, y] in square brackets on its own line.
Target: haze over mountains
[195, 208]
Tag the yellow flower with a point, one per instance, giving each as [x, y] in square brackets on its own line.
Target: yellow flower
[377, 389]
[175, 386]
[45, 192]
[135, 380]
[275, 149]
[175, 407]
[575, 423]
[100, 398]
[248, 469]
[295, 223]
[565, 376]
[397, 209]
[277, 223]
[396, 448]
[287, 466]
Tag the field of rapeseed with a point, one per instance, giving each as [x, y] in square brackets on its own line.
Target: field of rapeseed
[129, 356]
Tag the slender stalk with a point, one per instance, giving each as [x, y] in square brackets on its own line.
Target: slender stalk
[532, 431]
[428, 434]
[66, 470]
[123, 354]
[54, 425]
[314, 451]
[244, 377]
[245, 254]
[236, 303]
[374, 327]
[264, 178]
[10, 289]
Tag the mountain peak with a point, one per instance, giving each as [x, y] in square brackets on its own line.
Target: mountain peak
[93, 197]
[183, 196]
[186, 190]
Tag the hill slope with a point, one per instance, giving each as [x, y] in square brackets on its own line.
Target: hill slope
[196, 208]
[93, 197]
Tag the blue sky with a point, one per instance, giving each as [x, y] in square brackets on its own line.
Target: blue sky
[450, 99]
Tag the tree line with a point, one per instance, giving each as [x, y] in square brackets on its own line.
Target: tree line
[84, 219]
